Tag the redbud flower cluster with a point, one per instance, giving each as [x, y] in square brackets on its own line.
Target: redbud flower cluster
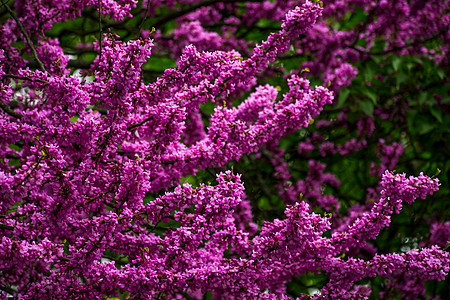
[92, 203]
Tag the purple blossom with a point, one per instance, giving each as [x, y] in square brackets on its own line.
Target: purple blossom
[91, 166]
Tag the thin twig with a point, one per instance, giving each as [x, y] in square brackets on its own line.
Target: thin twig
[131, 127]
[104, 144]
[29, 174]
[145, 18]
[100, 28]
[24, 78]
[22, 29]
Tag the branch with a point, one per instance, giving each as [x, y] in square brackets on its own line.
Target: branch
[394, 49]
[22, 29]
[177, 14]
[24, 78]
[4, 226]
[117, 260]
[8, 290]
[77, 64]
[10, 112]
[62, 258]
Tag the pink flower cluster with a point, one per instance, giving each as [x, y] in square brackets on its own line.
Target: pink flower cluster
[91, 200]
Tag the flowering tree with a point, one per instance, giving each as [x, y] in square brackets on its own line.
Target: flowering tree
[162, 150]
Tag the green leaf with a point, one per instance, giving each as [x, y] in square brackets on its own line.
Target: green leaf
[343, 94]
[423, 96]
[207, 296]
[370, 93]
[74, 119]
[424, 125]
[440, 73]
[14, 162]
[411, 115]
[377, 59]
[400, 79]
[264, 204]
[396, 61]
[369, 71]
[15, 147]
[436, 112]
[351, 19]
[367, 107]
